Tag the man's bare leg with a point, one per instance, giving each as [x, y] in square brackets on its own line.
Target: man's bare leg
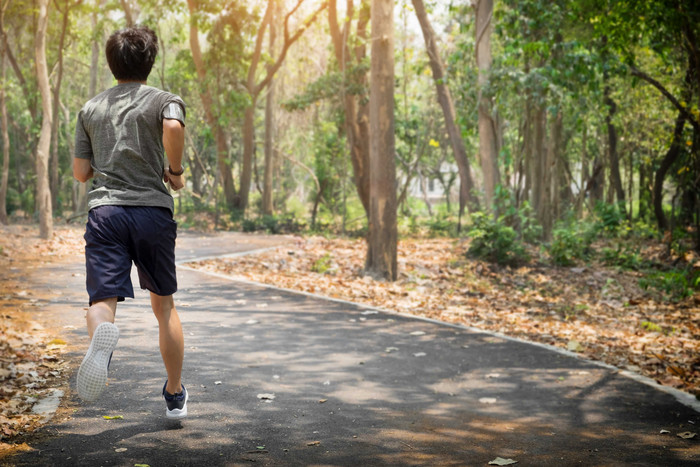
[172, 342]
[101, 311]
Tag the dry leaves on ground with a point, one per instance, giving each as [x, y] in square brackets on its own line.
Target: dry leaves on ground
[600, 312]
[30, 356]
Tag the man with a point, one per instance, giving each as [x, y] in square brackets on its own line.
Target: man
[120, 138]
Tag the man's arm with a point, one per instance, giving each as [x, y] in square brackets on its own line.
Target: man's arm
[174, 144]
[82, 169]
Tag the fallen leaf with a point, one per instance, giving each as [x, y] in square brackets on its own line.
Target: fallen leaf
[574, 346]
[313, 443]
[687, 435]
[57, 342]
[502, 461]
[323, 401]
[120, 450]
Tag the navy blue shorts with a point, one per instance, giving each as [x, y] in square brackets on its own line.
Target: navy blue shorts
[117, 235]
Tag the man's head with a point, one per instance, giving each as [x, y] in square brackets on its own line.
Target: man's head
[131, 53]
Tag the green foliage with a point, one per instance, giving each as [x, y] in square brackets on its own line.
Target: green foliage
[675, 285]
[494, 241]
[623, 256]
[653, 327]
[571, 241]
[272, 224]
[442, 225]
[610, 217]
[323, 264]
[567, 246]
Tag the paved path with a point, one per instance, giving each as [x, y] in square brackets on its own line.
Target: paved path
[351, 387]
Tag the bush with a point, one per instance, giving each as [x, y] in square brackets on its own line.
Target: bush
[622, 256]
[272, 224]
[676, 284]
[610, 217]
[568, 245]
[494, 241]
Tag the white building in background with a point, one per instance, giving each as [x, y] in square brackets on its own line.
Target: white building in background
[431, 190]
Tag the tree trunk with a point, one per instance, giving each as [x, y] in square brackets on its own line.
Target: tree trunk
[488, 136]
[55, 170]
[383, 237]
[356, 111]
[43, 192]
[5, 132]
[467, 195]
[267, 193]
[538, 166]
[613, 159]
[131, 12]
[232, 199]
[248, 155]
[669, 159]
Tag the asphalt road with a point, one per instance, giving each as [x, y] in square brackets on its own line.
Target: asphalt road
[281, 378]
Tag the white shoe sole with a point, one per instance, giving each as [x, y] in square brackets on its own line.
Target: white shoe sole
[92, 375]
[178, 413]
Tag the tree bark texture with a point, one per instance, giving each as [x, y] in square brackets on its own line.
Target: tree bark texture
[356, 110]
[267, 194]
[5, 132]
[55, 172]
[383, 237]
[488, 134]
[467, 192]
[43, 192]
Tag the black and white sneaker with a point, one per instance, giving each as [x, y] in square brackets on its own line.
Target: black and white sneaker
[176, 403]
[92, 375]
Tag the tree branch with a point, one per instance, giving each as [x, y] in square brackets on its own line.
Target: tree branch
[288, 41]
[688, 116]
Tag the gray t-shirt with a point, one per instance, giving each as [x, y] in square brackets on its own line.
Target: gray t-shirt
[121, 132]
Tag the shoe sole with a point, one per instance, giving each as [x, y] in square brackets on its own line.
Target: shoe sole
[176, 414]
[92, 375]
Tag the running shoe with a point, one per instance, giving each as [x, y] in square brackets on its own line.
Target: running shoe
[176, 404]
[92, 375]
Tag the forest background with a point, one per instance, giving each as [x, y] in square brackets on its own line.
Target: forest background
[562, 138]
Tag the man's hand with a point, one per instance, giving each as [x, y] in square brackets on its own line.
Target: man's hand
[175, 181]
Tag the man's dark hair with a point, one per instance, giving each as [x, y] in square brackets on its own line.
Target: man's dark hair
[131, 53]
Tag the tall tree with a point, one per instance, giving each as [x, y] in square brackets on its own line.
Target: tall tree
[267, 192]
[3, 122]
[222, 149]
[488, 126]
[350, 56]
[383, 236]
[255, 87]
[467, 195]
[43, 192]
[56, 90]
